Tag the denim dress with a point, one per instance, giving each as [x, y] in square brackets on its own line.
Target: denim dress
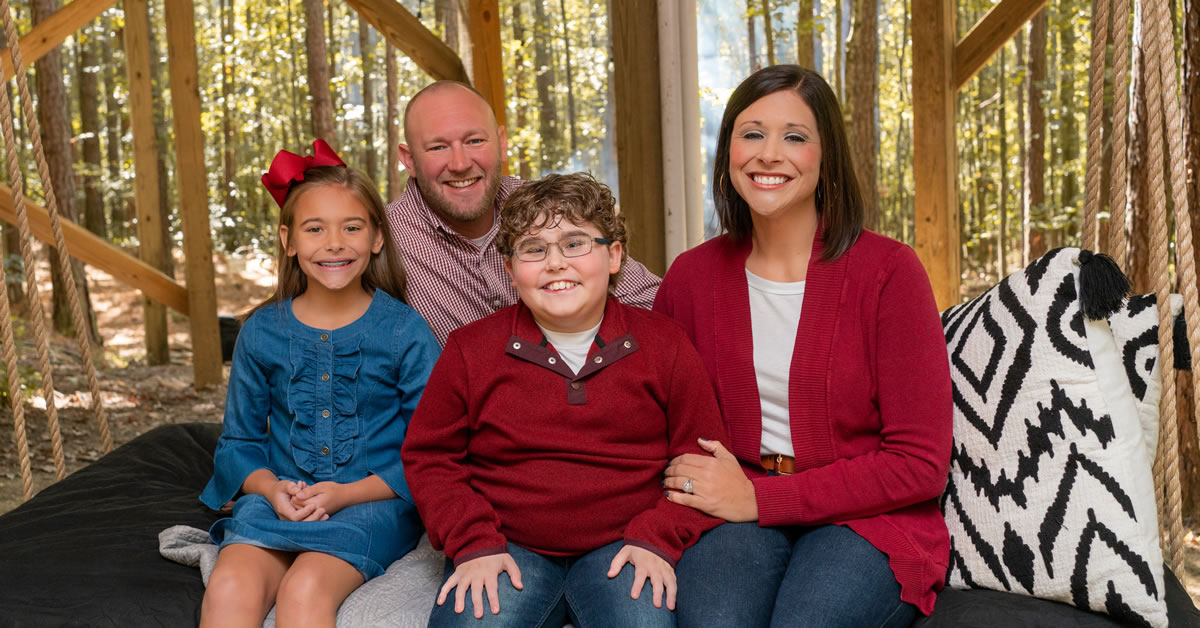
[323, 405]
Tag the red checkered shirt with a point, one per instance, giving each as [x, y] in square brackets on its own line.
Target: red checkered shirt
[452, 281]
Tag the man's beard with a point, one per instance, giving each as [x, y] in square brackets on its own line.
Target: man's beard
[431, 190]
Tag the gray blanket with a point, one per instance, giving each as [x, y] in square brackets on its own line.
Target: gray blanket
[400, 598]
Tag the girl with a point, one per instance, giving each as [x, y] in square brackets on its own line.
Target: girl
[325, 376]
[838, 412]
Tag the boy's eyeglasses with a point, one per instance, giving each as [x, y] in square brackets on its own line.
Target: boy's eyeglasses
[571, 246]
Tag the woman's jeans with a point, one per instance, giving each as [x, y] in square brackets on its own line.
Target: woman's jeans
[558, 590]
[742, 575]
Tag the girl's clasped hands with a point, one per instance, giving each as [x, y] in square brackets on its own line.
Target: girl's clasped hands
[300, 501]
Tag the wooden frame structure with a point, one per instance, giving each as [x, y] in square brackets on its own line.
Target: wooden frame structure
[198, 300]
[941, 66]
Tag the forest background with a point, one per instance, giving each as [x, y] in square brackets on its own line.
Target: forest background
[1021, 120]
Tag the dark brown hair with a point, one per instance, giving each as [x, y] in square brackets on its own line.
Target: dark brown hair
[838, 198]
[577, 198]
[385, 270]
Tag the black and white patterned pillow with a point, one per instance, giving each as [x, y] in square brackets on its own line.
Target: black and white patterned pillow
[1050, 491]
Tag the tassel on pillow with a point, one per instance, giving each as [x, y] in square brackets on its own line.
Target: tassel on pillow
[1102, 285]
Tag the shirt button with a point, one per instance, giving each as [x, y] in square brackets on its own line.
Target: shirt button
[598, 360]
[325, 413]
[496, 303]
[324, 337]
[628, 345]
[575, 385]
[552, 361]
[324, 377]
[516, 345]
[324, 451]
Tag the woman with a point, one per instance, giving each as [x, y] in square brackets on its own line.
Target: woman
[838, 412]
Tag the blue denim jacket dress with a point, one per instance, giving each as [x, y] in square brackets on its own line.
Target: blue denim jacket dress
[323, 405]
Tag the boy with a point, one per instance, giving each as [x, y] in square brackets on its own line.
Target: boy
[536, 454]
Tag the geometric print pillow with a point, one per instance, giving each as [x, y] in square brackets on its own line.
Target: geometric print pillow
[1050, 492]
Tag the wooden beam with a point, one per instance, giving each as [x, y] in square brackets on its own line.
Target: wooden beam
[634, 31]
[987, 37]
[487, 55]
[408, 34]
[93, 250]
[936, 234]
[193, 192]
[52, 31]
[152, 248]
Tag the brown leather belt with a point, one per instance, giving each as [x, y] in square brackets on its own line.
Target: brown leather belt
[779, 463]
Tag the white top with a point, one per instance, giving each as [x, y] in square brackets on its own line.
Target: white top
[573, 346]
[774, 316]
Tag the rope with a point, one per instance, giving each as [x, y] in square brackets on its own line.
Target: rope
[82, 326]
[1185, 258]
[1116, 232]
[1166, 464]
[1095, 141]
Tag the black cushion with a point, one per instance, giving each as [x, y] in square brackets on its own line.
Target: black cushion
[983, 608]
[84, 551]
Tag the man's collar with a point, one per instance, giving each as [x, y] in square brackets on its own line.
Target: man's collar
[436, 221]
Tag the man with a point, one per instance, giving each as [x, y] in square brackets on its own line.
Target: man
[447, 217]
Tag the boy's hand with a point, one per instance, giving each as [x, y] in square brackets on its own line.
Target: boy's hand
[479, 575]
[646, 564]
[328, 497]
[280, 497]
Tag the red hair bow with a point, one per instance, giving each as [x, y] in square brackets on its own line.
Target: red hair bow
[287, 168]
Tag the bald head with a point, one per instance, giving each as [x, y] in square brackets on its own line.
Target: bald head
[435, 91]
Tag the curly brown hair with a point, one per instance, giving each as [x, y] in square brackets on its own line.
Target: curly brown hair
[577, 198]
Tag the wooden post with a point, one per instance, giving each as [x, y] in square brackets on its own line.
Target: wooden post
[152, 249]
[989, 35]
[936, 233]
[193, 192]
[487, 58]
[51, 32]
[633, 26]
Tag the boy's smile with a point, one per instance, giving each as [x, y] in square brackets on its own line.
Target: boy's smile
[565, 294]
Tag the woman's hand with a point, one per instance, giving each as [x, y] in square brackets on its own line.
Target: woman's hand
[719, 487]
[328, 497]
[281, 494]
[479, 575]
[646, 564]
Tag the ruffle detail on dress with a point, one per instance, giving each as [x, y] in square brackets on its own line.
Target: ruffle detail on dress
[306, 401]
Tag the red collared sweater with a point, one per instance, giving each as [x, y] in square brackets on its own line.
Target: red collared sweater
[868, 389]
[507, 444]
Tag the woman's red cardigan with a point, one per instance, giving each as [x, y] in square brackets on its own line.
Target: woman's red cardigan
[868, 391]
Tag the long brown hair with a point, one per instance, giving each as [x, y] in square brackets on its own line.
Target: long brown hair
[839, 199]
[385, 270]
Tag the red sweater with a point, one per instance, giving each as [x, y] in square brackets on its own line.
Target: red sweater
[507, 444]
[869, 395]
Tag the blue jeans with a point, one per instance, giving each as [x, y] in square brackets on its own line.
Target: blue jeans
[558, 590]
[742, 575]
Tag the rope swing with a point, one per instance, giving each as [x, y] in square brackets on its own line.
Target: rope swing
[37, 313]
[1158, 45]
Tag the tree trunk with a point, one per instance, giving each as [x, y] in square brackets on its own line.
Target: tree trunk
[549, 136]
[519, 81]
[1140, 161]
[318, 72]
[446, 12]
[89, 125]
[838, 50]
[392, 119]
[570, 80]
[804, 33]
[770, 37]
[1022, 155]
[1002, 201]
[863, 80]
[1190, 473]
[228, 143]
[752, 38]
[1033, 242]
[118, 225]
[364, 46]
[1068, 137]
[55, 121]
[161, 139]
[14, 263]
[292, 88]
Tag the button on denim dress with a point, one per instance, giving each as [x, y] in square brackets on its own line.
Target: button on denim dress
[323, 405]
